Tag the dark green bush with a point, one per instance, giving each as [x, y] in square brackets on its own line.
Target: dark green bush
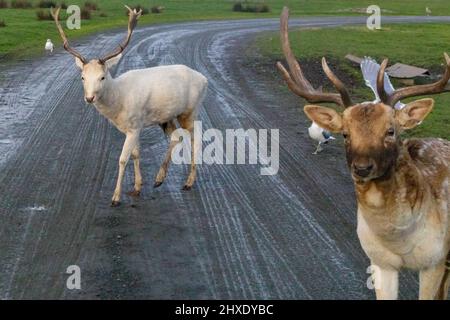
[20, 4]
[46, 4]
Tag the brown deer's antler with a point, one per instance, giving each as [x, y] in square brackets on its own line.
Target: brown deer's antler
[297, 82]
[67, 47]
[132, 22]
[439, 86]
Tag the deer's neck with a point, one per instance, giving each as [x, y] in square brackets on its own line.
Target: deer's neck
[393, 202]
[109, 103]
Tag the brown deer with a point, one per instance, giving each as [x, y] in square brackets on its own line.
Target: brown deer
[402, 186]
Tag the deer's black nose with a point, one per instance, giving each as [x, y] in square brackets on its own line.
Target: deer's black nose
[90, 99]
[362, 170]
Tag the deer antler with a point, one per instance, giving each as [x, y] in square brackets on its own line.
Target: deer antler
[132, 21]
[67, 47]
[439, 86]
[297, 82]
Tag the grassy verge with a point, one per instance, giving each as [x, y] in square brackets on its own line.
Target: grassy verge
[24, 35]
[420, 45]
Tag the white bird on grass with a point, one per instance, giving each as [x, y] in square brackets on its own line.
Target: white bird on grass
[428, 11]
[49, 46]
[320, 135]
[369, 69]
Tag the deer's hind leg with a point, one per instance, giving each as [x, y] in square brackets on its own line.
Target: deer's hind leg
[168, 128]
[186, 122]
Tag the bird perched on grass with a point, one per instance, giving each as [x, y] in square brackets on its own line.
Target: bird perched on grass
[428, 11]
[49, 46]
[369, 69]
[320, 135]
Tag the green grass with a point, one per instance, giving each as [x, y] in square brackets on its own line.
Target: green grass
[25, 35]
[420, 45]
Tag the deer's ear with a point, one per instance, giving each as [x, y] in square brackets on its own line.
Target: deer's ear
[326, 118]
[79, 63]
[414, 113]
[113, 61]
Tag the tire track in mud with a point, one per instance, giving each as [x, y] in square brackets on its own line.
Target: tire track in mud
[235, 235]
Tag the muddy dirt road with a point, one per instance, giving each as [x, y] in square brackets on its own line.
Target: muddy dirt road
[237, 234]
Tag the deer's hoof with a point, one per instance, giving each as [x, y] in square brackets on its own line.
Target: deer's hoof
[157, 184]
[115, 204]
[134, 193]
[186, 187]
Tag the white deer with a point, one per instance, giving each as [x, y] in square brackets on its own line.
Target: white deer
[141, 98]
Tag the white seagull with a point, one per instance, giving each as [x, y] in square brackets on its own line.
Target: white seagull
[49, 46]
[320, 135]
[369, 69]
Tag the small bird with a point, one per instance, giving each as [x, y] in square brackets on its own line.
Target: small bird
[49, 46]
[319, 134]
[369, 69]
[428, 11]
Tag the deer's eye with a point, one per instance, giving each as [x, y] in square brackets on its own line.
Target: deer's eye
[390, 132]
[82, 78]
[103, 78]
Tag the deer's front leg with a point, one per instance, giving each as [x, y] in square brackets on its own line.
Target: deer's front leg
[431, 286]
[386, 283]
[135, 155]
[131, 141]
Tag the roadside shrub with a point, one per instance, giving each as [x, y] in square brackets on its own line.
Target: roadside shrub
[85, 14]
[3, 4]
[157, 9]
[88, 5]
[20, 4]
[46, 4]
[250, 7]
[2, 23]
[43, 15]
[237, 7]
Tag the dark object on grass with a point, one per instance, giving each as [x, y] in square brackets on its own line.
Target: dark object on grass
[4, 4]
[85, 14]
[250, 7]
[157, 9]
[103, 15]
[88, 5]
[43, 15]
[2, 24]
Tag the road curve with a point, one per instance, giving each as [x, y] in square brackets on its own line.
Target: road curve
[236, 235]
